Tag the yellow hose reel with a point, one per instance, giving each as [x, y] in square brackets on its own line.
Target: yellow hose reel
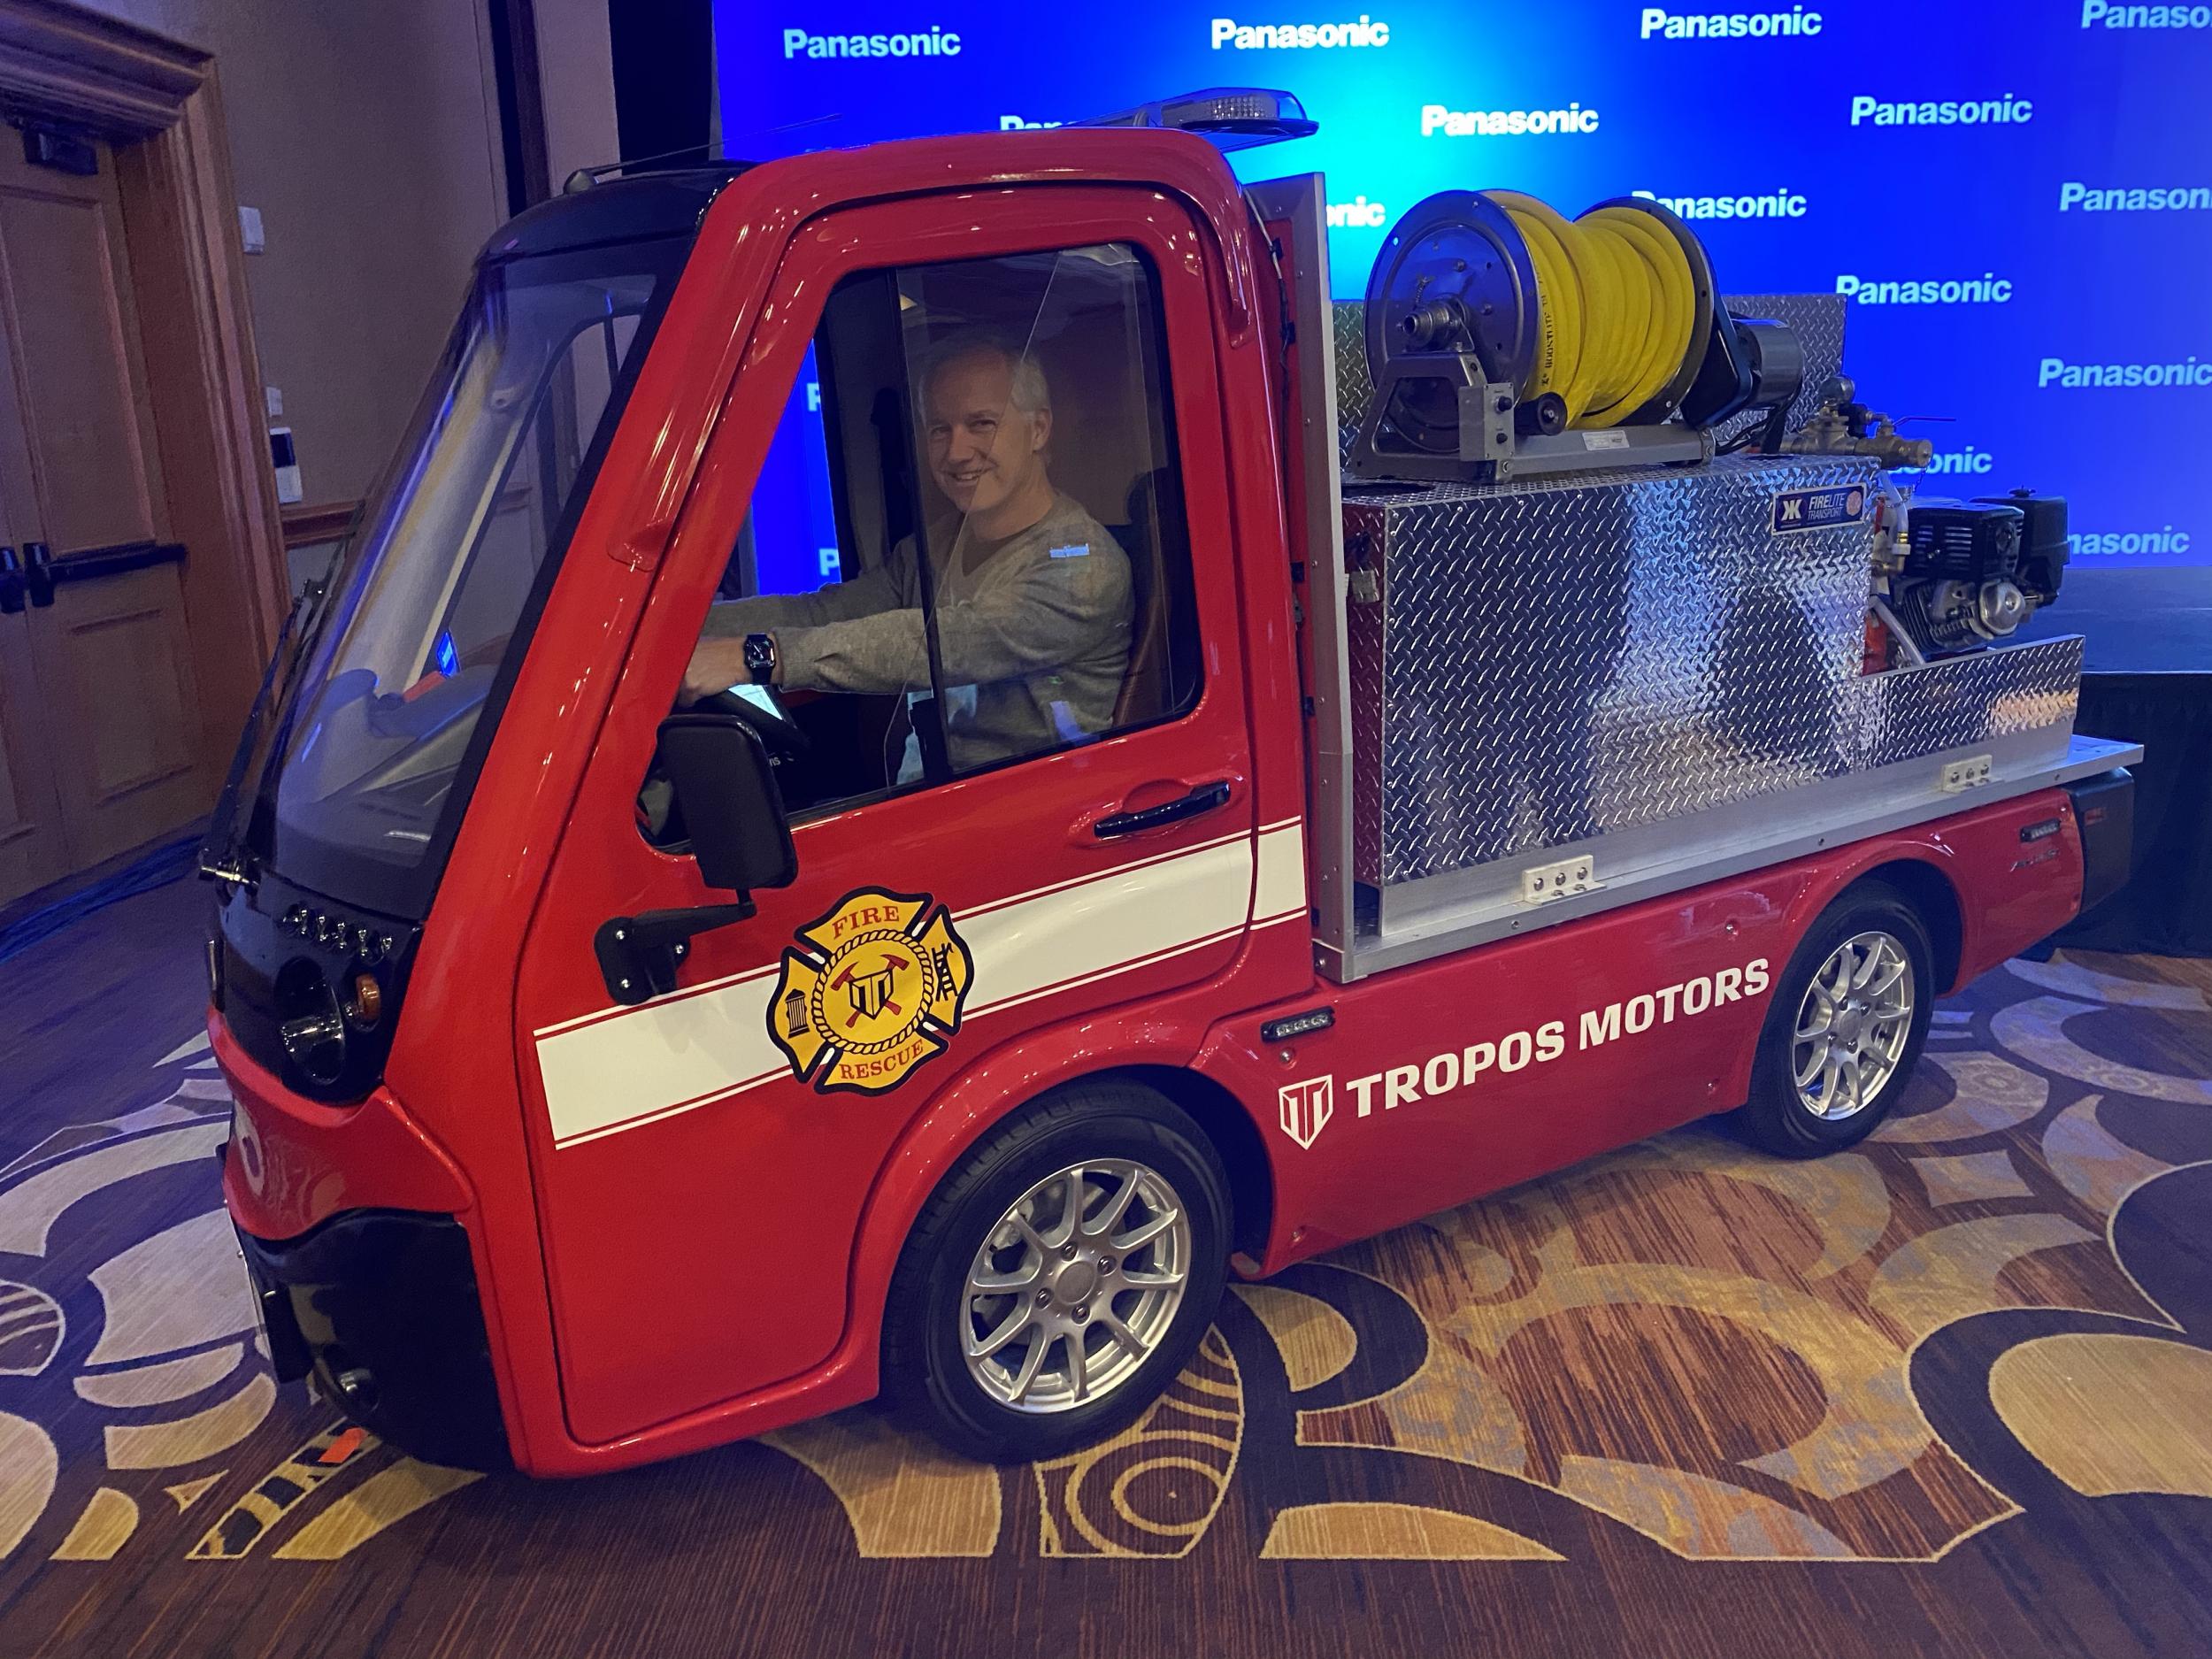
[1616, 306]
[1554, 325]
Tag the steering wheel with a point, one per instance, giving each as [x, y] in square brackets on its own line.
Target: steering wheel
[768, 716]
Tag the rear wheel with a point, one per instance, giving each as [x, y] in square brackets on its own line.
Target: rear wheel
[1846, 1025]
[1061, 1277]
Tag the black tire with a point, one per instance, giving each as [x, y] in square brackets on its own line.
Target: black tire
[925, 1374]
[1775, 1118]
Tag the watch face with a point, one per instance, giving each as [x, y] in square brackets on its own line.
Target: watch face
[760, 654]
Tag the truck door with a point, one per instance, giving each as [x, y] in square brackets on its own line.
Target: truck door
[1022, 790]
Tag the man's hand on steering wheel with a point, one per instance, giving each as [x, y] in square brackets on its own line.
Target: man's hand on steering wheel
[718, 665]
[715, 667]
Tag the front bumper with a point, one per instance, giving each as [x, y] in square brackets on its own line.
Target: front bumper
[381, 1305]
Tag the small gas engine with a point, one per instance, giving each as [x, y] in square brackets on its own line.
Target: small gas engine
[1954, 575]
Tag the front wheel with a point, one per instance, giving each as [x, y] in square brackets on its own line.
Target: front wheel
[1848, 1020]
[1061, 1277]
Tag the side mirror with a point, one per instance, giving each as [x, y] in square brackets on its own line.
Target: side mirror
[733, 810]
[726, 791]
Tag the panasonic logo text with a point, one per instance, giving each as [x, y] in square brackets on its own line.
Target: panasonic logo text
[1505, 123]
[1298, 37]
[1967, 460]
[1725, 26]
[2007, 111]
[2127, 543]
[2102, 14]
[1988, 289]
[1784, 203]
[930, 43]
[2075, 376]
[2189, 198]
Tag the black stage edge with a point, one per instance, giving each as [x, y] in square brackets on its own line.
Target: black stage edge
[2146, 677]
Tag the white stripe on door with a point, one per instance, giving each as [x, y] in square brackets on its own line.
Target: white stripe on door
[621, 1069]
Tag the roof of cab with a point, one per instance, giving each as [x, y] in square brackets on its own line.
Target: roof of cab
[647, 204]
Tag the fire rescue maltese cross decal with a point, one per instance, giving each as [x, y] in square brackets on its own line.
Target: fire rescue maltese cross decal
[873, 989]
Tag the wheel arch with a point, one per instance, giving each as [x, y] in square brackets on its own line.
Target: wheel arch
[1235, 1138]
[1929, 890]
[1218, 1113]
[1155, 1051]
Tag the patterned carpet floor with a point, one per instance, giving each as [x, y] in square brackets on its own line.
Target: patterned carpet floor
[1951, 1392]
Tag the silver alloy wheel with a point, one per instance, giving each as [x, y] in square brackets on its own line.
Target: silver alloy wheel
[1075, 1286]
[1853, 1025]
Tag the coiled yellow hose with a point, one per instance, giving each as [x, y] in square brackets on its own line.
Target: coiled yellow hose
[1616, 304]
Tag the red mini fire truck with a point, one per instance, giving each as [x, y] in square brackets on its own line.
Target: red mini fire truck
[618, 1074]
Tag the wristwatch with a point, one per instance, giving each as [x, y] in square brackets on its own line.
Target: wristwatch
[760, 657]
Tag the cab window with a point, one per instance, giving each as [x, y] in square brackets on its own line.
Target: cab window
[967, 546]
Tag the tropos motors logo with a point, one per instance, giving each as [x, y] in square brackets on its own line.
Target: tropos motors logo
[1307, 1108]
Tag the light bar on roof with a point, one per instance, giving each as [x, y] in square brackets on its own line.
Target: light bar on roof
[1234, 117]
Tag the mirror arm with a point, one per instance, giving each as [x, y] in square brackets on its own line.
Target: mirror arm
[639, 955]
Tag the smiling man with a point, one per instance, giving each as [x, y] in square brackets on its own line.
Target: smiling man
[1031, 595]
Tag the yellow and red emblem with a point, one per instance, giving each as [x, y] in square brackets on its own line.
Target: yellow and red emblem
[874, 988]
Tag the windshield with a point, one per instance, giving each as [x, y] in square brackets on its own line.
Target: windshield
[440, 575]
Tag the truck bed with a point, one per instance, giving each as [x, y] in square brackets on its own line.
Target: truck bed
[1606, 687]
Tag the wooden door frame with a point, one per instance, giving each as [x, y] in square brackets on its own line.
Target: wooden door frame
[157, 103]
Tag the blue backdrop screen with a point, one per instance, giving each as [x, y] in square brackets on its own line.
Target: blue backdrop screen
[2017, 195]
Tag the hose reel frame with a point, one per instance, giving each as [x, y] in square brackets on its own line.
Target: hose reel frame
[1454, 327]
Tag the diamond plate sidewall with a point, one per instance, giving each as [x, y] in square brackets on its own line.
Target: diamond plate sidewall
[1363, 529]
[1961, 701]
[1355, 387]
[1552, 659]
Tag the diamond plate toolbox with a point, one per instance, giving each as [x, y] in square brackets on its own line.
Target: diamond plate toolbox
[1538, 663]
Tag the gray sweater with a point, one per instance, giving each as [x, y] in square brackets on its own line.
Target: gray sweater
[1033, 643]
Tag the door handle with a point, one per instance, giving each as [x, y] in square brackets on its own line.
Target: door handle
[38, 573]
[11, 582]
[1204, 798]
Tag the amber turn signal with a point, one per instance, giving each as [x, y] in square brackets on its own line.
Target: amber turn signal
[367, 1005]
